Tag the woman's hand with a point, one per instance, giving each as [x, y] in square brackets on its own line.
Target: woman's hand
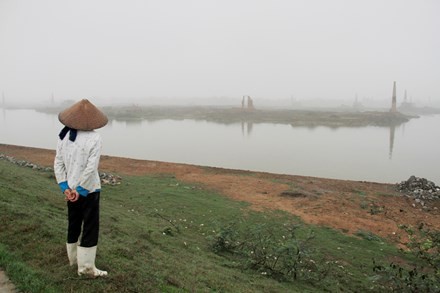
[67, 194]
[74, 196]
[71, 195]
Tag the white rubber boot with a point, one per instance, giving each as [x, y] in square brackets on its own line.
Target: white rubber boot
[71, 252]
[86, 262]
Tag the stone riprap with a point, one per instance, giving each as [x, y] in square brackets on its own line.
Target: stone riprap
[106, 178]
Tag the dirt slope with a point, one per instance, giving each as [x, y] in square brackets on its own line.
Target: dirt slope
[349, 206]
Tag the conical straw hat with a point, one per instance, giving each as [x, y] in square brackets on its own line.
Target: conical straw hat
[83, 115]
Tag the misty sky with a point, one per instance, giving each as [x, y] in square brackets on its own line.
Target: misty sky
[204, 48]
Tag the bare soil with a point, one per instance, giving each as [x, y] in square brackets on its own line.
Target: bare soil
[349, 206]
[5, 284]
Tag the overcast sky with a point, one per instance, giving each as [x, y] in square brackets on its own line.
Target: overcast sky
[330, 49]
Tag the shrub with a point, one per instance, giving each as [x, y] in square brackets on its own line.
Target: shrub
[424, 244]
[278, 252]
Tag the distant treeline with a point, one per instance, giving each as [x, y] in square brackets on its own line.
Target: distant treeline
[236, 115]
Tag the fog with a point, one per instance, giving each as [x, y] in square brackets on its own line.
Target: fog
[217, 51]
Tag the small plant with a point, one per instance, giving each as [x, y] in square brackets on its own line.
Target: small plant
[226, 239]
[398, 278]
[364, 205]
[167, 230]
[424, 244]
[375, 209]
[359, 192]
[368, 236]
[278, 253]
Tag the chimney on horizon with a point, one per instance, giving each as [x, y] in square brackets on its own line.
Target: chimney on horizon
[393, 103]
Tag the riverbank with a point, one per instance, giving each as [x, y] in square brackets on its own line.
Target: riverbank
[232, 231]
[349, 206]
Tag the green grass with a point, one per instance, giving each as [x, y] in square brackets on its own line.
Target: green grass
[156, 235]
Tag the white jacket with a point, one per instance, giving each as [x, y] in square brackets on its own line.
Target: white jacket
[77, 162]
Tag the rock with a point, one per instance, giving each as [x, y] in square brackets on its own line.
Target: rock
[6, 285]
[108, 179]
[420, 189]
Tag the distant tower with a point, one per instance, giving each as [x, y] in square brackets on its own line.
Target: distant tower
[3, 100]
[405, 98]
[393, 104]
[357, 105]
[250, 103]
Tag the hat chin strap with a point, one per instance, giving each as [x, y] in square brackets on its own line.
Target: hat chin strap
[72, 134]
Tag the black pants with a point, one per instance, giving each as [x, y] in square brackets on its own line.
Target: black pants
[84, 213]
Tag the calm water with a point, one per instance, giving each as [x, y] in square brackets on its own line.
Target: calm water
[378, 154]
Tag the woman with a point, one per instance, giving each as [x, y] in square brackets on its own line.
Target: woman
[76, 171]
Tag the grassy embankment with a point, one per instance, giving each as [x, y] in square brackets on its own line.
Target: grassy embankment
[157, 235]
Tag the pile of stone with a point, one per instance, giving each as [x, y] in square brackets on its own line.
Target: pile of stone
[106, 178]
[110, 179]
[420, 189]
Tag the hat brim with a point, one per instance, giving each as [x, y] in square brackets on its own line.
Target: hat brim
[83, 115]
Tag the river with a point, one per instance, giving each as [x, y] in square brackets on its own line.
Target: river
[379, 154]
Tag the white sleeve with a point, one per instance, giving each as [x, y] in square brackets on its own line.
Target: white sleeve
[59, 166]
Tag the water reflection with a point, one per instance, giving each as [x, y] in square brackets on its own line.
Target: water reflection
[246, 128]
[134, 122]
[127, 122]
[392, 130]
[364, 153]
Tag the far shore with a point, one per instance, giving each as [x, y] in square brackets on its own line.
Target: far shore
[228, 115]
